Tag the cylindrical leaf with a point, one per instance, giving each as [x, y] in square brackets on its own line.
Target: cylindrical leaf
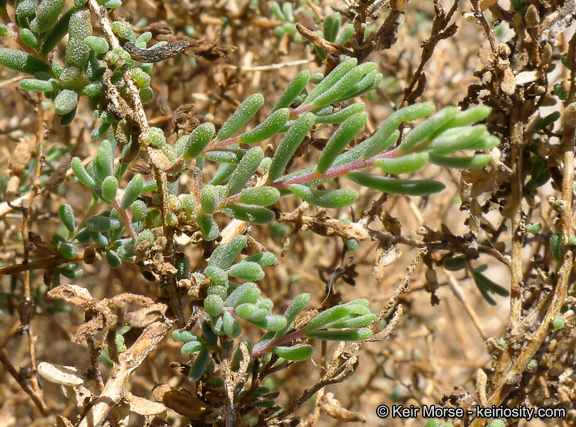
[230, 325]
[241, 116]
[246, 293]
[22, 61]
[343, 85]
[68, 250]
[112, 258]
[271, 323]
[341, 335]
[53, 36]
[295, 87]
[109, 189]
[251, 312]
[289, 144]
[46, 15]
[249, 213]
[269, 127]
[224, 255]
[65, 102]
[404, 164]
[80, 27]
[262, 196]
[332, 27]
[339, 140]
[475, 162]
[265, 259]
[184, 336]
[216, 275]
[97, 44]
[38, 85]
[397, 186]
[198, 140]
[325, 198]
[245, 170]
[102, 223]
[213, 304]
[247, 270]
[208, 226]
[331, 315]
[132, 191]
[296, 353]
[104, 161]
[66, 214]
[210, 197]
[381, 139]
[427, 129]
[192, 347]
[340, 116]
[329, 81]
[197, 368]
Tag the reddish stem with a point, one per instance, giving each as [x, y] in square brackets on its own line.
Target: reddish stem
[125, 219]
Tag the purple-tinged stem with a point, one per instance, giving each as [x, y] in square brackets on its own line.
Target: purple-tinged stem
[280, 341]
[301, 109]
[125, 219]
[338, 170]
[221, 144]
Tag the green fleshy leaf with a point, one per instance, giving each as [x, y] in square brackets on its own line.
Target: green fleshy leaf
[486, 286]
[102, 223]
[297, 305]
[80, 27]
[468, 163]
[468, 117]
[21, 61]
[295, 87]
[325, 198]
[197, 141]
[222, 174]
[342, 87]
[261, 196]
[38, 85]
[268, 128]
[456, 139]
[224, 255]
[405, 164]
[382, 138]
[289, 145]
[109, 189]
[26, 8]
[397, 186]
[47, 15]
[241, 116]
[66, 214]
[369, 82]
[53, 36]
[331, 79]
[245, 293]
[132, 191]
[208, 227]
[245, 170]
[97, 44]
[192, 347]
[557, 246]
[271, 323]
[232, 156]
[341, 335]
[247, 270]
[184, 336]
[65, 102]
[199, 365]
[182, 264]
[345, 35]
[83, 176]
[265, 259]
[251, 312]
[249, 213]
[112, 258]
[104, 161]
[427, 129]
[340, 116]
[213, 304]
[216, 275]
[296, 353]
[339, 140]
[68, 250]
[332, 27]
[230, 325]
[210, 197]
[328, 316]
[28, 38]
[352, 322]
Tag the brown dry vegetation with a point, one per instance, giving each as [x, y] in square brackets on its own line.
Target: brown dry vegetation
[443, 349]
